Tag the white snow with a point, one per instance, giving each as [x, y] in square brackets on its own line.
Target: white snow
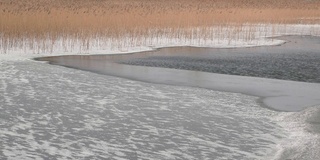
[119, 118]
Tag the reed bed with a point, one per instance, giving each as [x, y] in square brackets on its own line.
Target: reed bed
[127, 23]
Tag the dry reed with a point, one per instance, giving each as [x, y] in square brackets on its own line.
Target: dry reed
[36, 20]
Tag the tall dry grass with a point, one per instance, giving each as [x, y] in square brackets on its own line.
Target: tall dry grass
[38, 20]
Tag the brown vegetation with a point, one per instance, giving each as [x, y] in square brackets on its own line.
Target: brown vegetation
[114, 18]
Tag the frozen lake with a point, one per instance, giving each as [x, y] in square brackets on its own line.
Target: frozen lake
[297, 60]
[54, 112]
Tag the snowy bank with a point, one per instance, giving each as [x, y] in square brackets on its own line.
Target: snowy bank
[249, 35]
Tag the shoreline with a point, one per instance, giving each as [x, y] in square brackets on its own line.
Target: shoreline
[123, 45]
[280, 95]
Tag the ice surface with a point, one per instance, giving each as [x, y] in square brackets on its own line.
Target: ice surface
[50, 112]
[281, 95]
[303, 142]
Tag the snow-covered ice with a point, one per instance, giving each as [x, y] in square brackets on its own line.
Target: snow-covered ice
[53, 112]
